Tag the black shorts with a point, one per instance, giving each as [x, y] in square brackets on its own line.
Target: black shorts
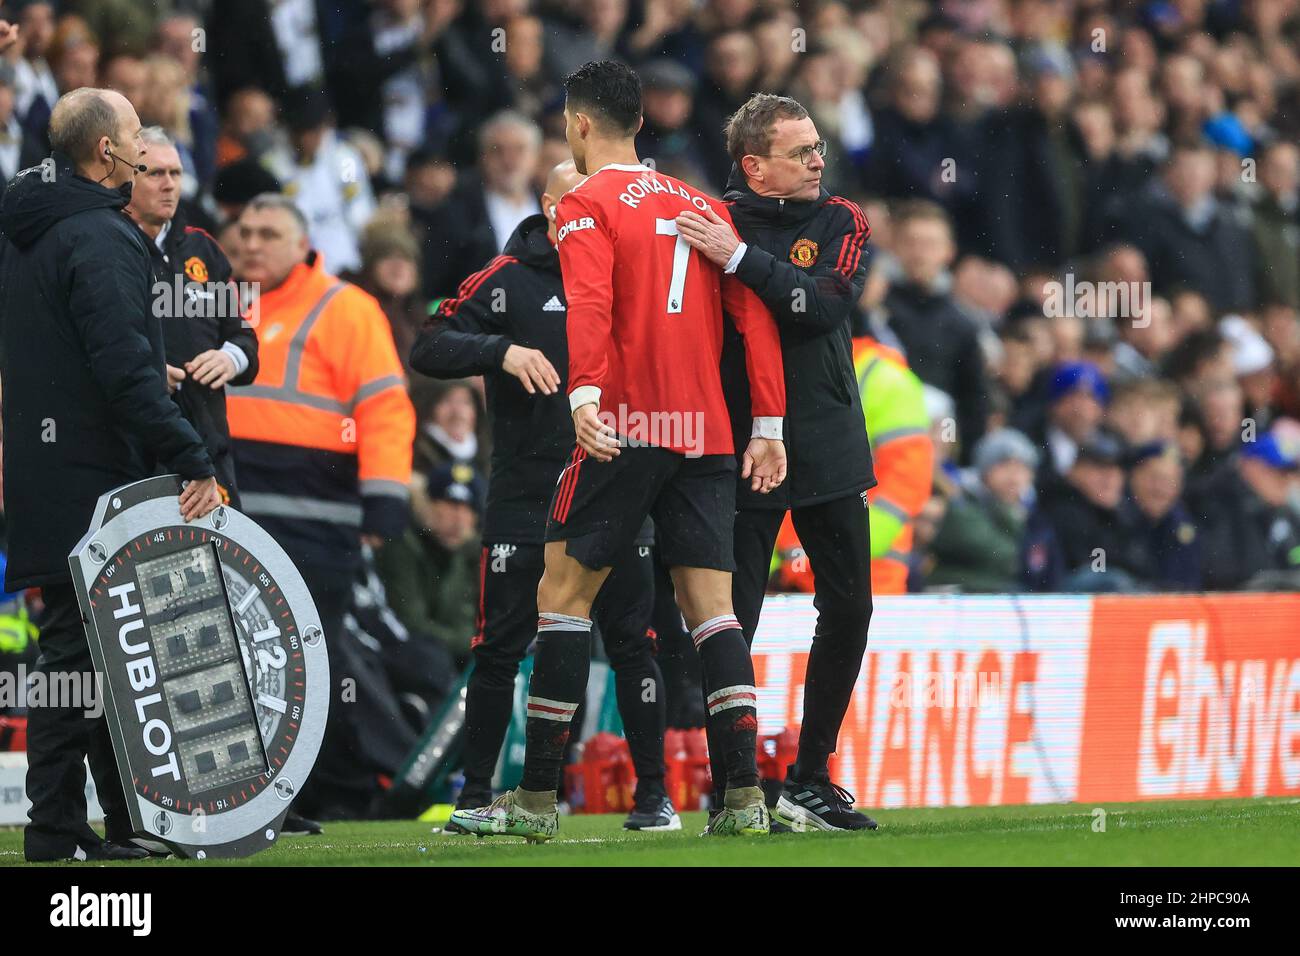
[599, 507]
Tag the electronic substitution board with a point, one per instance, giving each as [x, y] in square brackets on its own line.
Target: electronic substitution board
[212, 666]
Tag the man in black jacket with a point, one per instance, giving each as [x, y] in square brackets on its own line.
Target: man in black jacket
[802, 255]
[1249, 529]
[209, 344]
[1189, 237]
[940, 342]
[85, 410]
[507, 323]
[480, 214]
[1074, 540]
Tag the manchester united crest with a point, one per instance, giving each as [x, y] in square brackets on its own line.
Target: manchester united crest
[196, 269]
[803, 253]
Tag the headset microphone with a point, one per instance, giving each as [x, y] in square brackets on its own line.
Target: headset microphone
[138, 167]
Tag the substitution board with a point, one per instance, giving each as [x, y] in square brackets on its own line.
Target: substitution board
[212, 668]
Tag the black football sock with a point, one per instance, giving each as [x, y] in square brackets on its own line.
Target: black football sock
[558, 683]
[729, 695]
[809, 767]
[717, 765]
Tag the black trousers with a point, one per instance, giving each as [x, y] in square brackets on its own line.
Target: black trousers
[60, 739]
[339, 785]
[836, 538]
[508, 625]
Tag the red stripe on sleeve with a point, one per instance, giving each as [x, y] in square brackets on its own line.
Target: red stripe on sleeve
[472, 284]
[851, 249]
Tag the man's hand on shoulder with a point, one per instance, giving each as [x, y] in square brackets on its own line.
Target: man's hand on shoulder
[764, 464]
[595, 437]
[713, 236]
[533, 369]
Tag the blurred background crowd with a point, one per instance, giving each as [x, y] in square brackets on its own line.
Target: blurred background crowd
[1012, 156]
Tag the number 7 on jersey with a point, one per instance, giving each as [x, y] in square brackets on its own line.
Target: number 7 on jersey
[681, 258]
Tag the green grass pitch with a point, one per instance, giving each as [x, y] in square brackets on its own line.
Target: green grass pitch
[1259, 832]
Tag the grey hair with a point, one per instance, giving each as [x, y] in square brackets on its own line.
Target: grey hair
[508, 118]
[749, 129]
[156, 136]
[79, 120]
[282, 202]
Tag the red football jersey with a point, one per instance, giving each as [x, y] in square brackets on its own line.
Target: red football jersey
[645, 313]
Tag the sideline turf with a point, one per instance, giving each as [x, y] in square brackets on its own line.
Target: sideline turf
[1260, 832]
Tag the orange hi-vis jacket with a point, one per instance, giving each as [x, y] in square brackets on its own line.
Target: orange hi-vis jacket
[323, 436]
[894, 411]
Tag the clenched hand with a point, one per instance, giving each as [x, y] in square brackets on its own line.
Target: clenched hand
[8, 35]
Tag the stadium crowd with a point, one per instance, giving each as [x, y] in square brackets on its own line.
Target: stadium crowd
[1085, 237]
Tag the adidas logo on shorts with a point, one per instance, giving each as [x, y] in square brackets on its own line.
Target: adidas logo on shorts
[553, 304]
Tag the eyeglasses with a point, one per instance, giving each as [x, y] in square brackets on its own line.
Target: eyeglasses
[804, 153]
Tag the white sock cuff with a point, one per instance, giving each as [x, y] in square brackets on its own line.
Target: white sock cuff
[713, 625]
[561, 622]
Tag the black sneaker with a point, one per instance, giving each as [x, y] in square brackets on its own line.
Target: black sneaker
[818, 804]
[99, 850]
[653, 812]
[296, 824]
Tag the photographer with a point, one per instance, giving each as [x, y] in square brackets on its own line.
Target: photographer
[85, 410]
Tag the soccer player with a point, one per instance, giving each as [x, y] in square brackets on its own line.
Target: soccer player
[645, 325]
[507, 324]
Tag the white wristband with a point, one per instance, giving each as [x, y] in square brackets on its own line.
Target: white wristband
[736, 256]
[767, 427]
[584, 395]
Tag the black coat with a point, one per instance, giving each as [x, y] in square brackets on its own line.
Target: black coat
[942, 347]
[85, 393]
[206, 318]
[1164, 555]
[909, 160]
[1067, 533]
[1029, 185]
[30, 152]
[1215, 261]
[825, 432]
[249, 55]
[532, 435]
[458, 238]
[1241, 535]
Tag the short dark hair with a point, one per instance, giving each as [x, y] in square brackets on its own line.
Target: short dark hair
[79, 120]
[608, 90]
[749, 129]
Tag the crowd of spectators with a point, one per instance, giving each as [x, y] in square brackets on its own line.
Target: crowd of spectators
[1085, 227]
